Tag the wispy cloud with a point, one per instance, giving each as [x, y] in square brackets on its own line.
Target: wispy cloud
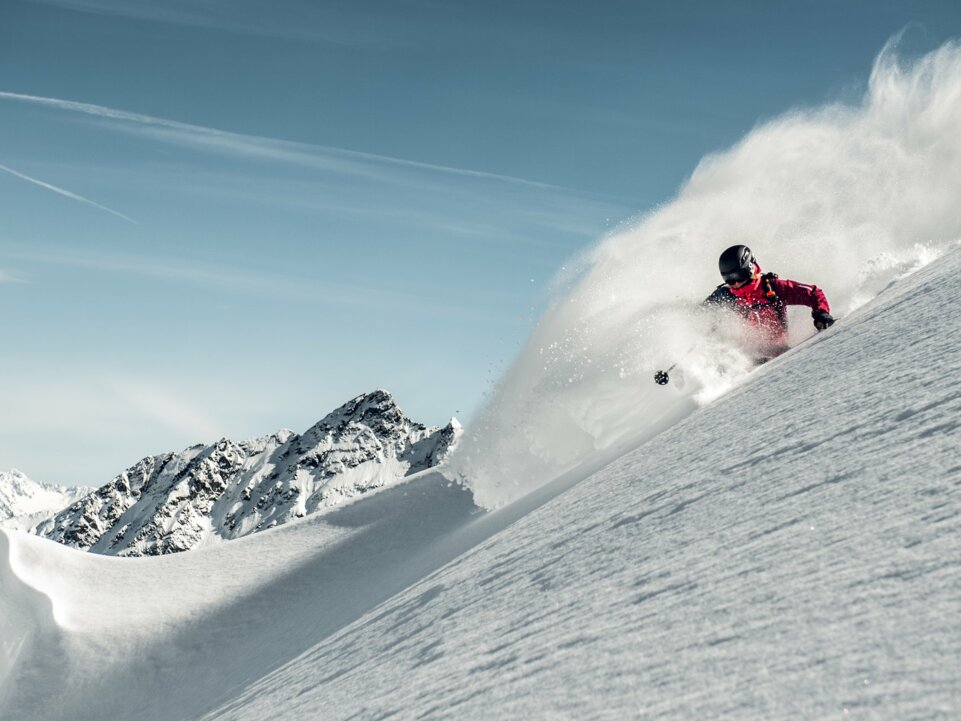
[107, 409]
[327, 22]
[65, 193]
[245, 282]
[6, 277]
[430, 205]
[349, 162]
[196, 12]
[160, 404]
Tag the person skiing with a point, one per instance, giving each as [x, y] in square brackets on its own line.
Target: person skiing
[761, 299]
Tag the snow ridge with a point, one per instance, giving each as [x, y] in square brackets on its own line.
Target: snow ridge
[178, 501]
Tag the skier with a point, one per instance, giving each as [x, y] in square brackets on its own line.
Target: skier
[761, 299]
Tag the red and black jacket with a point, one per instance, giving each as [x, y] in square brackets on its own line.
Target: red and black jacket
[761, 302]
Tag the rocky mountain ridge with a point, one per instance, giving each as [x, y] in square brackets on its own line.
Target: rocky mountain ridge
[25, 502]
[178, 501]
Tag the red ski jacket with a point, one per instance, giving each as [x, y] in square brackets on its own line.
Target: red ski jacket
[768, 313]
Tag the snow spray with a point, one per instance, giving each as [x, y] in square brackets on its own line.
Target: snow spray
[847, 197]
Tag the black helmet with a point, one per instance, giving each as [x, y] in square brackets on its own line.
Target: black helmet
[736, 264]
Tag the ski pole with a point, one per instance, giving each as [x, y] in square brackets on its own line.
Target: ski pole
[662, 378]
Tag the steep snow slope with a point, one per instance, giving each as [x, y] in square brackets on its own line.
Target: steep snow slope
[25, 502]
[791, 551]
[178, 501]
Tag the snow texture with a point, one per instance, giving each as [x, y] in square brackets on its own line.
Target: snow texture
[179, 501]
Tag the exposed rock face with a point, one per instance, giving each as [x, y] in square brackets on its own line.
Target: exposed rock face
[178, 501]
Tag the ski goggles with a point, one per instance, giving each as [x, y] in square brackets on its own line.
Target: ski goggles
[738, 276]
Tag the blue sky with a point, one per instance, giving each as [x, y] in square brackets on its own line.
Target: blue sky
[219, 218]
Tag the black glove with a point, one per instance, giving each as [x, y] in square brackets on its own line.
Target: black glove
[822, 319]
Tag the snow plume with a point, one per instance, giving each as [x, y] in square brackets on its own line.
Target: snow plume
[846, 197]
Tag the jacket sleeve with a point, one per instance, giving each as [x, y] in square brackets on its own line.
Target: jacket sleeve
[722, 297]
[793, 293]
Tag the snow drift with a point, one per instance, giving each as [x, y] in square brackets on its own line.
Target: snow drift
[847, 197]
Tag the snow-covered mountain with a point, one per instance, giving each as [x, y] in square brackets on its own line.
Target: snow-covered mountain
[25, 502]
[178, 501]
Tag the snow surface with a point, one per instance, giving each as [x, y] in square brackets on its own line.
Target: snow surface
[791, 551]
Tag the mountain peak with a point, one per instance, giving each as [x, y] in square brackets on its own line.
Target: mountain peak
[227, 490]
[376, 411]
[378, 403]
[25, 502]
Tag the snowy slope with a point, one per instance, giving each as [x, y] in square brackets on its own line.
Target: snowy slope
[178, 501]
[25, 502]
[791, 551]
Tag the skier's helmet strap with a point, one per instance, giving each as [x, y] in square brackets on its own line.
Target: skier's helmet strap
[736, 264]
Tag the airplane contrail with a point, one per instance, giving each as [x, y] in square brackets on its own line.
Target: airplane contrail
[66, 193]
[351, 161]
